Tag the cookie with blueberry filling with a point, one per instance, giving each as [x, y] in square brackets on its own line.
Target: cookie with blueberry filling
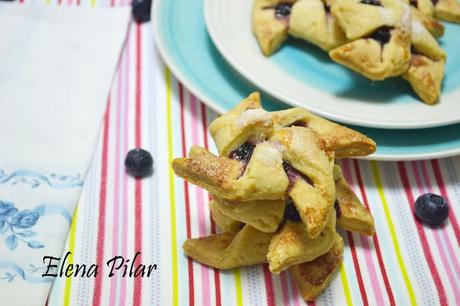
[380, 31]
[264, 160]
[270, 22]
[312, 21]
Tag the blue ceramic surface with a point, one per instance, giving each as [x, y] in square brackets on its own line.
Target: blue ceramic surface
[181, 34]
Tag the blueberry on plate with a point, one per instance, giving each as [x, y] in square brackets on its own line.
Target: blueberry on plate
[141, 10]
[139, 162]
[431, 209]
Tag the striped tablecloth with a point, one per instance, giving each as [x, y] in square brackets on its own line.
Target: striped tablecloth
[405, 263]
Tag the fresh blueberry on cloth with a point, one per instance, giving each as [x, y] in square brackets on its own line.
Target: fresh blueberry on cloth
[141, 10]
[431, 209]
[139, 162]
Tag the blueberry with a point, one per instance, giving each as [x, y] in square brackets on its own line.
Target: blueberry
[382, 35]
[372, 2]
[282, 10]
[290, 212]
[243, 153]
[293, 174]
[414, 3]
[139, 162]
[431, 209]
[141, 10]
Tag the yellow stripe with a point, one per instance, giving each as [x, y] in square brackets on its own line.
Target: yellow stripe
[378, 182]
[172, 194]
[73, 229]
[239, 292]
[93, 3]
[346, 287]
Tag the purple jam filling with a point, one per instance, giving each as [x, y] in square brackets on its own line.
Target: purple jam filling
[294, 175]
[243, 153]
[290, 212]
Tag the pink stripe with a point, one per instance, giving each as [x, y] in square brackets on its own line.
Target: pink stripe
[117, 203]
[296, 298]
[438, 232]
[285, 288]
[366, 248]
[125, 176]
[201, 199]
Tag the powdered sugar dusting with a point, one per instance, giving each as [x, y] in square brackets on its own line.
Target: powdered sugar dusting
[418, 30]
[270, 155]
[252, 116]
[406, 18]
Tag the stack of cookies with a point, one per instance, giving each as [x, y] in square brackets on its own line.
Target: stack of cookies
[277, 194]
[377, 38]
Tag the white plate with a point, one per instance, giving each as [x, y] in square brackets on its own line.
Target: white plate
[302, 75]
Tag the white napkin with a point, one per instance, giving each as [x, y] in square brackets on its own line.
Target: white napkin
[56, 66]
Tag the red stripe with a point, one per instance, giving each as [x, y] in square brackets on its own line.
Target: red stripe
[137, 294]
[102, 206]
[442, 188]
[191, 290]
[213, 225]
[357, 269]
[421, 233]
[270, 295]
[375, 237]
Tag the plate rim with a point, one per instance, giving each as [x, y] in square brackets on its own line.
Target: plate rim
[287, 100]
[178, 73]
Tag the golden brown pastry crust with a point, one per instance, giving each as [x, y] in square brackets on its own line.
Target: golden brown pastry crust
[425, 77]
[352, 215]
[448, 10]
[310, 21]
[292, 245]
[343, 141]
[225, 223]
[230, 250]
[313, 277]
[285, 156]
[263, 215]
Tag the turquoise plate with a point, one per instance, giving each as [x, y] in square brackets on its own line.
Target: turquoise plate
[182, 39]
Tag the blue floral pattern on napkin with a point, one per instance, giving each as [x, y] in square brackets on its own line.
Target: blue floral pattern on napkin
[18, 226]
